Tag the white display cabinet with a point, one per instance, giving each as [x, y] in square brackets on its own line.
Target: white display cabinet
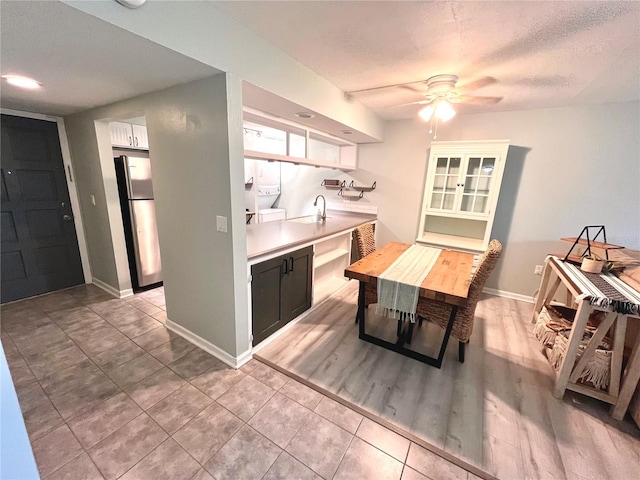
[461, 193]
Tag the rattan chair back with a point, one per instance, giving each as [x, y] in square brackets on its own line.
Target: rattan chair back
[365, 239]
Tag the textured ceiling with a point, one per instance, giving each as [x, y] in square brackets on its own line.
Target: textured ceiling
[541, 54]
[83, 62]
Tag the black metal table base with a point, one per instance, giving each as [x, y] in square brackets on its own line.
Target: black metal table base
[404, 335]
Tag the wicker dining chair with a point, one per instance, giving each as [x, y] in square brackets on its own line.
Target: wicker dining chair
[366, 244]
[438, 313]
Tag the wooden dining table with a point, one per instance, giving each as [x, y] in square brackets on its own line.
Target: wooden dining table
[447, 282]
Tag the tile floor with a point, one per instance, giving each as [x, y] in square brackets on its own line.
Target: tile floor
[108, 392]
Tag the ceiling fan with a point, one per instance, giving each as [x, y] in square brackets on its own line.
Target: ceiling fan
[443, 87]
[440, 94]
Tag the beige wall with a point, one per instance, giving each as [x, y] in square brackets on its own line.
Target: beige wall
[566, 168]
[195, 143]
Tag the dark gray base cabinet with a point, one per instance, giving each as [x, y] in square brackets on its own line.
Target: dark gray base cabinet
[280, 291]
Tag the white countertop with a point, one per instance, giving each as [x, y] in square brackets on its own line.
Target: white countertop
[269, 237]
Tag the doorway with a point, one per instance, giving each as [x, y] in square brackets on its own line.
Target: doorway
[39, 247]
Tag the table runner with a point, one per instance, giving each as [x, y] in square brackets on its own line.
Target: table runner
[399, 284]
[603, 289]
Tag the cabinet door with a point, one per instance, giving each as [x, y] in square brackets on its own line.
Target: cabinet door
[296, 284]
[121, 135]
[478, 184]
[265, 297]
[140, 139]
[443, 184]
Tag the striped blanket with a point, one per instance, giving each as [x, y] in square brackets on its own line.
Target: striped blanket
[602, 289]
[399, 284]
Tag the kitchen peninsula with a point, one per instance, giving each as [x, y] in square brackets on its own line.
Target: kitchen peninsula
[295, 264]
[270, 237]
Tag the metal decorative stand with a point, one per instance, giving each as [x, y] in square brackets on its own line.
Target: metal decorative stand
[590, 240]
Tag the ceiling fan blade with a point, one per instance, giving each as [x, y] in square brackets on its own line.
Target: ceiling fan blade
[477, 84]
[373, 89]
[420, 102]
[473, 100]
[413, 89]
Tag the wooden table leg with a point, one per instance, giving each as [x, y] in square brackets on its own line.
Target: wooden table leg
[360, 312]
[629, 383]
[569, 359]
[619, 336]
[541, 293]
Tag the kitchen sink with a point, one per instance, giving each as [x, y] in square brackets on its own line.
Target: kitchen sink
[307, 219]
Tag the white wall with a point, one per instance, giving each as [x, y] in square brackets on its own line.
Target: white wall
[566, 168]
[195, 143]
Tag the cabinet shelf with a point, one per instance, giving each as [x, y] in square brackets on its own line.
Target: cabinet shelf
[330, 256]
[474, 245]
[327, 288]
[248, 184]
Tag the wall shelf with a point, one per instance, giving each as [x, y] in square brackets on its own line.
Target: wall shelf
[362, 188]
[353, 196]
[333, 184]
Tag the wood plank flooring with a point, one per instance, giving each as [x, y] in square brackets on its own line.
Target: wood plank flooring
[496, 411]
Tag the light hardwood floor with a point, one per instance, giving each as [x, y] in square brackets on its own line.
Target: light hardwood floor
[496, 411]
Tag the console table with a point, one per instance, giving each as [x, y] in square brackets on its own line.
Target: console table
[618, 301]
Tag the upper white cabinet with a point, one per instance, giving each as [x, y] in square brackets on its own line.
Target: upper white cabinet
[270, 138]
[129, 135]
[461, 193]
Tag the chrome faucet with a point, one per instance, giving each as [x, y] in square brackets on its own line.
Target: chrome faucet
[324, 206]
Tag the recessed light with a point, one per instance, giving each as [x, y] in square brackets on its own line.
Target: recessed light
[346, 132]
[305, 115]
[22, 82]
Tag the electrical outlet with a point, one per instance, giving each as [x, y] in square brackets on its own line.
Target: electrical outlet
[538, 270]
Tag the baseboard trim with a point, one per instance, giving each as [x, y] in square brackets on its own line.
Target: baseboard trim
[234, 362]
[505, 294]
[110, 290]
[381, 421]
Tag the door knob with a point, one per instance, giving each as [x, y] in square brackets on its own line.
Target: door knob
[66, 217]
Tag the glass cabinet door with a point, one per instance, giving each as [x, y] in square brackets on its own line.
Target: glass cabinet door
[477, 185]
[445, 182]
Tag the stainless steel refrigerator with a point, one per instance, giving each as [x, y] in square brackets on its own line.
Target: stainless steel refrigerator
[139, 216]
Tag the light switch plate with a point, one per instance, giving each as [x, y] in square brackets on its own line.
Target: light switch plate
[221, 223]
